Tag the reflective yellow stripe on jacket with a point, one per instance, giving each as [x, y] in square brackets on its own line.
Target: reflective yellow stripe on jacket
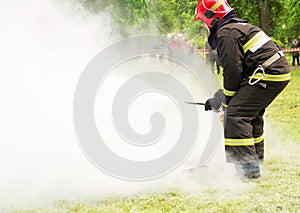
[228, 92]
[269, 77]
[257, 41]
[224, 105]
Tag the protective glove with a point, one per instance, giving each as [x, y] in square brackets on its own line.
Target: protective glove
[215, 103]
[207, 105]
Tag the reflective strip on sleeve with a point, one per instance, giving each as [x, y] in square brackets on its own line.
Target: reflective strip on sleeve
[228, 92]
[271, 60]
[268, 77]
[216, 5]
[257, 41]
[239, 142]
[259, 139]
[224, 105]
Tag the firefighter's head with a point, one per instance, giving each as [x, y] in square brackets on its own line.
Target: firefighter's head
[212, 11]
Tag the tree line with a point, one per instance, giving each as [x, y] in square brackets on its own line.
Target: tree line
[278, 18]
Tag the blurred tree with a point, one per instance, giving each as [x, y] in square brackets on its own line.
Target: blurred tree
[290, 23]
[127, 14]
[177, 16]
[278, 18]
[263, 13]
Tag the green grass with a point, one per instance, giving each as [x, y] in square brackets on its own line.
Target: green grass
[278, 190]
[284, 112]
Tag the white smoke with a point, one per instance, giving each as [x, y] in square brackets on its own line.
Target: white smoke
[45, 45]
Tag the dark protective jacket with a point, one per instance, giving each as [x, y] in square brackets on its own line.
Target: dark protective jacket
[239, 64]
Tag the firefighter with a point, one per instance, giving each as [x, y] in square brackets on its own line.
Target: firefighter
[255, 71]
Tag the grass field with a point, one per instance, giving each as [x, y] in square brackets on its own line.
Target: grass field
[278, 190]
[285, 111]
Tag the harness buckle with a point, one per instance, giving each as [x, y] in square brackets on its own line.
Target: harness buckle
[258, 69]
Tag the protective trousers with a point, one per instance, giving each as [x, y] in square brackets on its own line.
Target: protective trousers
[244, 141]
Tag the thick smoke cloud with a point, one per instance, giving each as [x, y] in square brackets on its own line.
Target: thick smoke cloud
[45, 45]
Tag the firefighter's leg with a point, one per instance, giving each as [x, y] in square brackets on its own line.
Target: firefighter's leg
[258, 134]
[239, 140]
[244, 109]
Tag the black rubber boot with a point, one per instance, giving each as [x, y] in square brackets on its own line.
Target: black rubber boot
[248, 170]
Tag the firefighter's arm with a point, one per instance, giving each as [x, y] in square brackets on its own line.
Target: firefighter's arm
[231, 58]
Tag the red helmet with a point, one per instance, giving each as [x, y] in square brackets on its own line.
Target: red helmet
[212, 11]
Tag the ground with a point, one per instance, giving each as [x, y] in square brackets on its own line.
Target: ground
[278, 190]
